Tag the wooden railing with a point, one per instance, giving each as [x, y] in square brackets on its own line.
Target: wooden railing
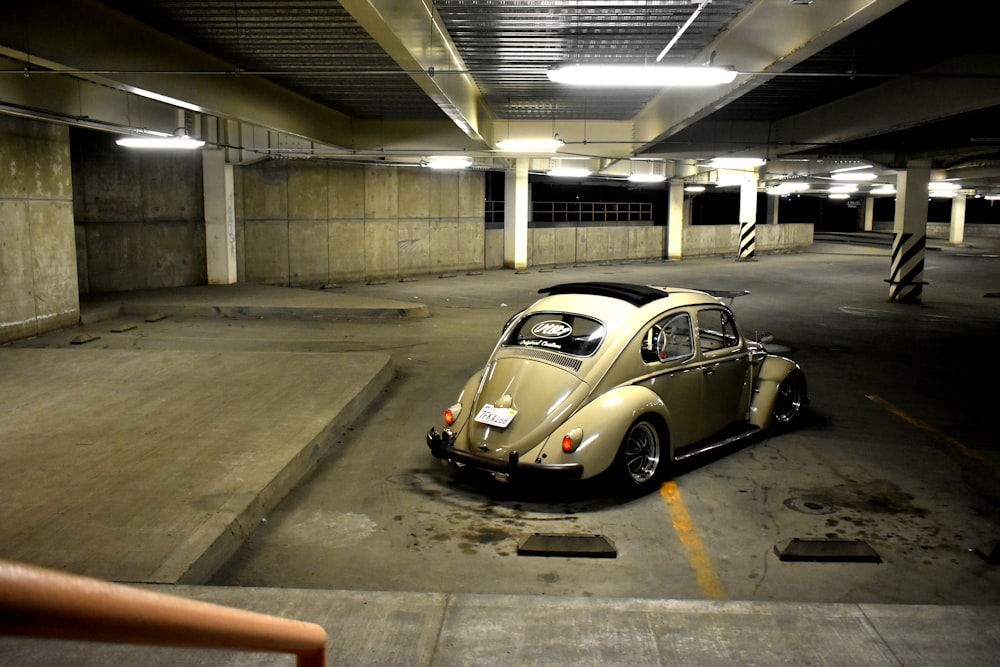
[36, 602]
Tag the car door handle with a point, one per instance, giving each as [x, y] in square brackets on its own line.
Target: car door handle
[707, 370]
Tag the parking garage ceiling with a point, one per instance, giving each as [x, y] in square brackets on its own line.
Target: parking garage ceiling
[818, 85]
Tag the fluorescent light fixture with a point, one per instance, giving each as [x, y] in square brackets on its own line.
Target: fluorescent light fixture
[992, 197]
[449, 162]
[858, 167]
[883, 190]
[640, 76]
[846, 187]
[184, 143]
[943, 185]
[695, 188]
[942, 194]
[853, 175]
[736, 162]
[568, 172]
[788, 188]
[646, 178]
[840, 195]
[531, 145]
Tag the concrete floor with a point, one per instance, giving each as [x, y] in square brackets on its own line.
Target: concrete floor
[898, 451]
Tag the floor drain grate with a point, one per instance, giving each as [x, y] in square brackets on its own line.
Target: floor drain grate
[827, 551]
[578, 546]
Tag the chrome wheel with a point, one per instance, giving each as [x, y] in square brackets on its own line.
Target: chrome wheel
[641, 453]
[791, 396]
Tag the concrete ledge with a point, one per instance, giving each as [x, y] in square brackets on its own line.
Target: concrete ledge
[403, 628]
[155, 466]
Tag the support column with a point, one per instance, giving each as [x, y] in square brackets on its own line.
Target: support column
[676, 220]
[956, 233]
[220, 218]
[869, 223]
[771, 214]
[748, 219]
[906, 271]
[515, 216]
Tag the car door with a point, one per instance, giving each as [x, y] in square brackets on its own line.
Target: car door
[666, 364]
[724, 363]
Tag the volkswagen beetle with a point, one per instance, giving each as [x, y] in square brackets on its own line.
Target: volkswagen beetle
[615, 378]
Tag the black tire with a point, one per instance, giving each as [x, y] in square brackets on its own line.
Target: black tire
[790, 400]
[641, 457]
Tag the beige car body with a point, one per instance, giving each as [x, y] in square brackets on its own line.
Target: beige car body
[714, 387]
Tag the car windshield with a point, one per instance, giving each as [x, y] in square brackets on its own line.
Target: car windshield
[561, 332]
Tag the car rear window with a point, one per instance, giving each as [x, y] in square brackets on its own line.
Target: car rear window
[561, 332]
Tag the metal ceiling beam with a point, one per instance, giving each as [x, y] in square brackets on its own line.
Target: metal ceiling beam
[413, 34]
[95, 43]
[754, 43]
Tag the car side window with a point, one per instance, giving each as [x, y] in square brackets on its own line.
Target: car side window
[716, 330]
[668, 340]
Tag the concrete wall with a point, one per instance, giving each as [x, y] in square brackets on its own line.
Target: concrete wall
[942, 230]
[139, 216]
[708, 240]
[305, 223]
[38, 287]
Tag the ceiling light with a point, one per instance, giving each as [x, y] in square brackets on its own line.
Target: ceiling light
[646, 76]
[735, 162]
[840, 195]
[857, 167]
[448, 162]
[531, 145]
[943, 185]
[788, 188]
[694, 188]
[646, 178]
[992, 197]
[853, 176]
[942, 194]
[183, 143]
[846, 187]
[883, 190]
[568, 172]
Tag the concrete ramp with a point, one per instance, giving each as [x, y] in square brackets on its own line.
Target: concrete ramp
[155, 466]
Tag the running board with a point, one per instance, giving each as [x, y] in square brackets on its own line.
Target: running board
[701, 449]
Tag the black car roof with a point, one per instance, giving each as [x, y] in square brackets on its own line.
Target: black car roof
[637, 295]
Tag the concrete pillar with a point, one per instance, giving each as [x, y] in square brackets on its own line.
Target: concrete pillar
[771, 215]
[869, 223]
[515, 216]
[220, 218]
[956, 233]
[748, 219]
[676, 220]
[910, 227]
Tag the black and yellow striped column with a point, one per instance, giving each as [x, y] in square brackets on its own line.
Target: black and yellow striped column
[906, 270]
[748, 220]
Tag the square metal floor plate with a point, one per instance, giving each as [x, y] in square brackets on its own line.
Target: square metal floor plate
[827, 551]
[573, 546]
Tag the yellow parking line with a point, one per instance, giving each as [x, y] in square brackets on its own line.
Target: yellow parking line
[708, 580]
[951, 442]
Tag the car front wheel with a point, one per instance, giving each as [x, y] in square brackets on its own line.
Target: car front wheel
[640, 457]
[790, 399]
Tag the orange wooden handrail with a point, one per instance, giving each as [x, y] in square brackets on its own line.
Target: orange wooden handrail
[36, 602]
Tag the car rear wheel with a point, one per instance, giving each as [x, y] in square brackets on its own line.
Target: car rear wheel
[790, 399]
[641, 455]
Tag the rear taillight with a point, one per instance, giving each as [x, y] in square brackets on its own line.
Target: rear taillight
[451, 414]
[572, 440]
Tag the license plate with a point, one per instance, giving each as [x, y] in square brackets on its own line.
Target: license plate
[494, 416]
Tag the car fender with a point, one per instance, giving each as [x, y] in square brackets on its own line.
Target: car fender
[772, 372]
[467, 397]
[603, 422]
